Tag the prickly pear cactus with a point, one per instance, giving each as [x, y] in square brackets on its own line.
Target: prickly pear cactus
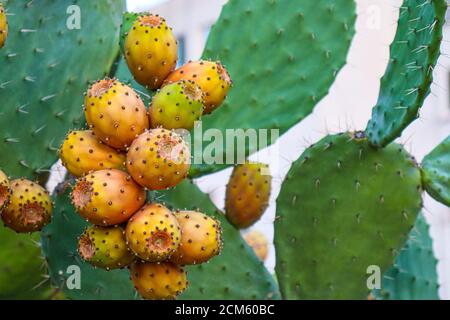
[414, 273]
[436, 172]
[345, 206]
[44, 70]
[406, 83]
[225, 279]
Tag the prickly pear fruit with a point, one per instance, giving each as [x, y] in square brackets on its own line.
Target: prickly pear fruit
[258, 242]
[150, 50]
[3, 26]
[105, 247]
[153, 233]
[107, 197]
[247, 194]
[29, 207]
[158, 159]
[115, 113]
[177, 106]
[200, 238]
[5, 190]
[158, 281]
[212, 77]
[81, 153]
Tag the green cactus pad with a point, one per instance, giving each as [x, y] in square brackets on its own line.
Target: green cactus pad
[22, 269]
[60, 242]
[436, 172]
[406, 83]
[414, 274]
[343, 207]
[45, 68]
[282, 56]
[221, 277]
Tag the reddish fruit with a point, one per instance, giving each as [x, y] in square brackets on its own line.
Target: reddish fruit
[158, 281]
[258, 242]
[153, 233]
[177, 106]
[5, 190]
[3, 26]
[212, 77]
[107, 197]
[29, 207]
[247, 194]
[151, 50]
[105, 247]
[158, 159]
[115, 113]
[200, 238]
[81, 153]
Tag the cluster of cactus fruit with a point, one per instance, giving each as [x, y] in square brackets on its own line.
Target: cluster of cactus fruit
[352, 200]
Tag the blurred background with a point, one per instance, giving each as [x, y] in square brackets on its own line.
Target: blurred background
[346, 107]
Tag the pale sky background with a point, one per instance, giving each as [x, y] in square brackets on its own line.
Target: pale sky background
[135, 4]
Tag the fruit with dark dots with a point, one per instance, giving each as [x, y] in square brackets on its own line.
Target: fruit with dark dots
[247, 194]
[107, 197]
[29, 207]
[258, 241]
[211, 76]
[81, 153]
[177, 106]
[115, 113]
[5, 190]
[3, 26]
[105, 247]
[158, 281]
[151, 50]
[158, 159]
[153, 233]
[200, 238]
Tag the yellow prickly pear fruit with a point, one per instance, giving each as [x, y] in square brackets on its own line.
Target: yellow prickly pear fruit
[29, 207]
[247, 194]
[105, 247]
[107, 197]
[158, 281]
[5, 190]
[3, 26]
[158, 159]
[81, 153]
[258, 242]
[150, 50]
[115, 113]
[212, 77]
[200, 238]
[153, 233]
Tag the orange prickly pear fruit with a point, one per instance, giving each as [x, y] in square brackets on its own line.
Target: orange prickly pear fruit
[153, 233]
[105, 247]
[29, 207]
[177, 106]
[158, 281]
[150, 50]
[107, 197]
[247, 194]
[115, 113]
[200, 238]
[3, 26]
[258, 241]
[81, 153]
[158, 159]
[212, 77]
[5, 190]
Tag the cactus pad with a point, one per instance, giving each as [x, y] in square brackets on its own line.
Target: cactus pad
[344, 207]
[44, 70]
[414, 274]
[436, 172]
[406, 83]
